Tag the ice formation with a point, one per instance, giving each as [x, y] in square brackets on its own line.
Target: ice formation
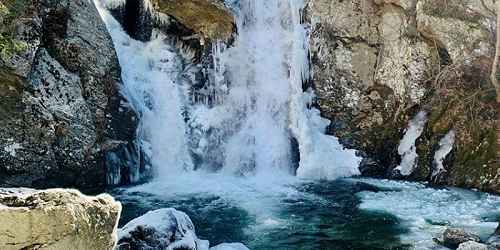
[250, 109]
[445, 147]
[407, 148]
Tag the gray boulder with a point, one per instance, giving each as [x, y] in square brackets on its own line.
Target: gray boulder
[453, 237]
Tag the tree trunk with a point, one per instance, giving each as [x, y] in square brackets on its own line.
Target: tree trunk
[494, 68]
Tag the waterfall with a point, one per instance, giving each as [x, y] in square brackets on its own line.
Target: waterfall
[251, 110]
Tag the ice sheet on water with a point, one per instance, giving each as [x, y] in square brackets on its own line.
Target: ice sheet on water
[426, 212]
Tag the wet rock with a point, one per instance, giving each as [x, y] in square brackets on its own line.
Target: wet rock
[453, 237]
[63, 112]
[57, 219]
[472, 245]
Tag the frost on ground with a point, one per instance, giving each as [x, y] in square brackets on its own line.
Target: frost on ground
[426, 212]
[407, 148]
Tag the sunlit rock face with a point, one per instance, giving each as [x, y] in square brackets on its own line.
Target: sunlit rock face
[207, 18]
[64, 121]
[374, 68]
[57, 219]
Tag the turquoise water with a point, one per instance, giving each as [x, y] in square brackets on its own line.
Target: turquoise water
[342, 214]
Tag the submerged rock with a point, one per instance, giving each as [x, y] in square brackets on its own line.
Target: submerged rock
[57, 219]
[472, 245]
[453, 237]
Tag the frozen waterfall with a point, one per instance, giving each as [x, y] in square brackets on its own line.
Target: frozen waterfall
[249, 114]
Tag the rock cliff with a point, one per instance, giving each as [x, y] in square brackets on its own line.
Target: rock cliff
[63, 121]
[377, 63]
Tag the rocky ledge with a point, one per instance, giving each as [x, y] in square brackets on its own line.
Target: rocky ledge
[57, 219]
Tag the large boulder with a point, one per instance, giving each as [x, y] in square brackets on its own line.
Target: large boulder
[377, 63]
[57, 219]
[63, 120]
[168, 229]
[160, 229]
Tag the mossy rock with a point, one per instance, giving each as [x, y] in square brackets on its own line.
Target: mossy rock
[207, 18]
[11, 89]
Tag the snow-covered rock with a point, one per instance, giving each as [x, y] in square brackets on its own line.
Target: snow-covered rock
[230, 246]
[472, 245]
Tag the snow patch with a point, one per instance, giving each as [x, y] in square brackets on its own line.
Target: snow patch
[407, 148]
[11, 149]
[445, 147]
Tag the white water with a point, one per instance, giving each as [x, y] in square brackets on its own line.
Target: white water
[266, 68]
[407, 148]
[427, 212]
[244, 120]
[152, 83]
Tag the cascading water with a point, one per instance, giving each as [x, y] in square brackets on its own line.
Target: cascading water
[265, 107]
[251, 109]
[252, 117]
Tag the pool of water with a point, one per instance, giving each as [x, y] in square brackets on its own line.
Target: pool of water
[287, 213]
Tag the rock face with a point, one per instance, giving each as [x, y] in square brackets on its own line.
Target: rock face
[207, 18]
[57, 219]
[63, 121]
[377, 63]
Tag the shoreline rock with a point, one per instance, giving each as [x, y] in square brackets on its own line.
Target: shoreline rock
[57, 219]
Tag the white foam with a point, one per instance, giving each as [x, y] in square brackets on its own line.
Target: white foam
[151, 82]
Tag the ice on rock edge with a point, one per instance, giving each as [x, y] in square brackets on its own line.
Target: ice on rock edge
[445, 147]
[407, 147]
